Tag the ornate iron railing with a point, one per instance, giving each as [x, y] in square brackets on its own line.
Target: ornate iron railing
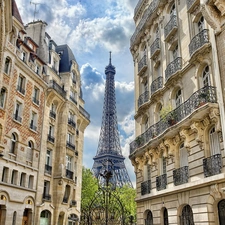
[143, 98]
[170, 26]
[57, 88]
[197, 99]
[212, 165]
[71, 123]
[73, 99]
[142, 63]
[190, 3]
[46, 196]
[148, 13]
[138, 6]
[52, 114]
[70, 145]
[180, 175]
[161, 182]
[173, 67]
[51, 138]
[155, 46]
[69, 174]
[198, 41]
[146, 187]
[156, 84]
[84, 112]
[48, 169]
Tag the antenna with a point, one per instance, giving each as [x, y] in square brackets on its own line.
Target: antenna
[35, 8]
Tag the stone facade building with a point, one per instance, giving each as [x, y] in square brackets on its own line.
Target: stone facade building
[178, 153]
[42, 123]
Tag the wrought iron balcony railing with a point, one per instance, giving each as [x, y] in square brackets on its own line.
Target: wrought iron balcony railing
[73, 99]
[17, 117]
[57, 88]
[36, 101]
[69, 174]
[156, 84]
[170, 26]
[147, 16]
[52, 114]
[180, 175]
[48, 169]
[21, 89]
[198, 41]
[204, 95]
[190, 3]
[212, 165]
[161, 182]
[46, 196]
[71, 123]
[146, 187]
[155, 47]
[138, 6]
[70, 145]
[84, 112]
[173, 67]
[51, 138]
[143, 98]
[142, 63]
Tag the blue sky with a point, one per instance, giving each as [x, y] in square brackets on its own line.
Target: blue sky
[92, 28]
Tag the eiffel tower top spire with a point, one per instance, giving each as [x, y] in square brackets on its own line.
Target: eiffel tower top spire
[109, 149]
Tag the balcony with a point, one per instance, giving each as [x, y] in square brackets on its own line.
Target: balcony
[46, 196]
[156, 84]
[155, 48]
[197, 99]
[36, 101]
[48, 169]
[173, 67]
[198, 41]
[146, 17]
[70, 145]
[212, 165]
[146, 187]
[73, 99]
[21, 89]
[191, 4]
[142, 65]
[180, 175]
[69, 174]
[171, 27]
[52, 114]
[33, 127]
[161, 182]
[138, 6]
[71, 123]
[51, 138]
[57, 88]
[17, 117]
[84, 112]
[143, 98]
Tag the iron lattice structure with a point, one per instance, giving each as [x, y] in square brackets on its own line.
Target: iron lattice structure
[109, 149]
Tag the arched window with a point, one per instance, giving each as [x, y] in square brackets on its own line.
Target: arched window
[183, 156]
[2, 97]
[14, 218]
[7, 65]
[178, 98]
[187, 216]
[146, 124]
[201, 24]
[221, 211]
[175, 52]
[173, 11]
[149, 219]
[206, 77]
[74, 77]
[165, 217]
[13, 143]
[30, 148]
[214, 142]
[45, 217]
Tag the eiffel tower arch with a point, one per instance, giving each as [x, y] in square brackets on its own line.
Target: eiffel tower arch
[109, 149]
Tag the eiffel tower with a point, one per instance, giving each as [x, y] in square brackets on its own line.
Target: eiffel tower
[109, 155]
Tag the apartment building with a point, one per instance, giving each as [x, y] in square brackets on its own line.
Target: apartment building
[178, 151]
[42, 119]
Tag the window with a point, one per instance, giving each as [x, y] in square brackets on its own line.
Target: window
[51, 133]
[31, 182]
[30, 148]
[2, 97]
[73, 74]
[183, 156]
[18, 112]
[146, 124]
[53, 111]
[201, 24]
[149, 219]
[162, 166]
[5, 174]
[147, 172]
[38, 69]
[7, 65]
[157, 32]
[14, 218]
[46, 194]
[214, 142]
[206, 77]
[175, 52]
[173, 11]
[178, 98]
[221, 211]
[21, 85]
[36, 96]
[187, 216]
[165, 217]
[73, 96]
[69, 162]
[66, 194]
[70, 138]
[13, 143]
[24, 56]
[14, 177]
[48, 162]
[22, 179]
[33, 121]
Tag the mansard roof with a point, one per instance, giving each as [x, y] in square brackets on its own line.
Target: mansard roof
[15, 11]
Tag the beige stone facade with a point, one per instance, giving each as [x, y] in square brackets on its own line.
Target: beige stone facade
[178, 153]
[42, 121]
